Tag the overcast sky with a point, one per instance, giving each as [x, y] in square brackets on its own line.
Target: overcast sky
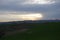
[11, 9]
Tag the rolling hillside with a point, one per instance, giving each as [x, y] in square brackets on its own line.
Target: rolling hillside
[37, 31]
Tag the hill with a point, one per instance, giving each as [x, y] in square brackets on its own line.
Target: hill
[37, 31]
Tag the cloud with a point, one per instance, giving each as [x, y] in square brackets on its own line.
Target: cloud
[38, 2]
[11, 16]
[50, 10]
[17, 5]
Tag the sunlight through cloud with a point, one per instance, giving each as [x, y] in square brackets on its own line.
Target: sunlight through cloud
[31, 16]
[20, 17]
[39, 2]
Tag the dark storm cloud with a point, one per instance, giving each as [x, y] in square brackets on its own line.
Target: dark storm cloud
[48, 10]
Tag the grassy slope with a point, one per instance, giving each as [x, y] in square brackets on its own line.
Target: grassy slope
[46, 31]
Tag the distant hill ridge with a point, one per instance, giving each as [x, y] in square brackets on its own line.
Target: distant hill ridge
[29, 21]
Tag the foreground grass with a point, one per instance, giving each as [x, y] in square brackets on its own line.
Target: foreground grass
[45, 31]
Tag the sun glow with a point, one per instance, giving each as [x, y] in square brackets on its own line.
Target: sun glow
[21, 17]
[31, 16]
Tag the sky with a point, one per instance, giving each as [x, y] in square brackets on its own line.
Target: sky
[17, 10]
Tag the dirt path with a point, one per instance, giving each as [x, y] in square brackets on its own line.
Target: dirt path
[14, 32]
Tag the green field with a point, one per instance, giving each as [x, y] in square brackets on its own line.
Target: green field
[44, 31]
